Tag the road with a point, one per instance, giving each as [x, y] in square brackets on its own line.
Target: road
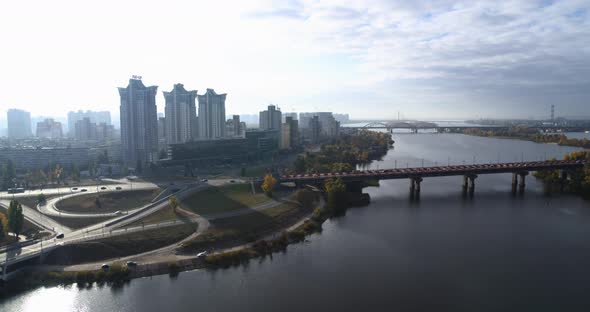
[116, 226]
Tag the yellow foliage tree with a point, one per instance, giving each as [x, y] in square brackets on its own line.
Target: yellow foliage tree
[269, 184]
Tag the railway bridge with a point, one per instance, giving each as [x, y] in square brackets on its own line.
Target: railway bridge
[519, 170]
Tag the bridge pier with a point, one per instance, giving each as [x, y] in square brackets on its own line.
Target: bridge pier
[415, 187]
[472, 184]
[522, 183]
[562, 180]
[469, 184]
[514, 182]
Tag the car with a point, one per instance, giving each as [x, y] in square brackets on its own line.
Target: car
[83, 190]
[131, 264]
[103, 188]
[118, 188]
[232, 181]
[119, 212]
[74, 188]
[202, 254]
[105, 267]
[204, 180]
[60, 235]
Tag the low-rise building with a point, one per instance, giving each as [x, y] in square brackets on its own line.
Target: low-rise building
[38, 158]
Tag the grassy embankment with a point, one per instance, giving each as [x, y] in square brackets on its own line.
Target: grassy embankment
[108, 201]
[211, 201]
[120, 245]
[73, 223]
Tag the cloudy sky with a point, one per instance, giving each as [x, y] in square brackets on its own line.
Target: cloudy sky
[425, 59]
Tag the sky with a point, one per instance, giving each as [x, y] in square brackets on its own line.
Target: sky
[371, 59]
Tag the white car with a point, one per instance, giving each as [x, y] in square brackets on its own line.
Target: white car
[202, 254]
[119, 213]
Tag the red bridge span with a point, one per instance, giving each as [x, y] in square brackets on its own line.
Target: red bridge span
[469, 173]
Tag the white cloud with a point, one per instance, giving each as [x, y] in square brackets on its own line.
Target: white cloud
[426, 58]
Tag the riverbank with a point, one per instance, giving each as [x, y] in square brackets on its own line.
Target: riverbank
[527, 134]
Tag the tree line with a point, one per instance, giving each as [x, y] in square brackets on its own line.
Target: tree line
[529, 134]
[345, 153]
[12, 222]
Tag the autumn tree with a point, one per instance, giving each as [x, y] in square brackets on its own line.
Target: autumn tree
[269, 184]
[15, 217]
[173, 202]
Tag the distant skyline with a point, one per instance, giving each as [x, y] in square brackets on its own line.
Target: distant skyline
[426, 59]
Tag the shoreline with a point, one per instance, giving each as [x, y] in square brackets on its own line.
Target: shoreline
[58, 275]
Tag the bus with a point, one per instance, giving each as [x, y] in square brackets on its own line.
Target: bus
[16, 190]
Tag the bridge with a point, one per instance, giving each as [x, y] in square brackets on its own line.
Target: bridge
[414, 126]
[469, 173]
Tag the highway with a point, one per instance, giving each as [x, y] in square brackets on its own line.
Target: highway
[115, 226]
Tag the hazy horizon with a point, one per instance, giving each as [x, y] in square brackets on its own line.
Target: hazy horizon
[371, 59]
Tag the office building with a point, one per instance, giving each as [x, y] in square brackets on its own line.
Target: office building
[18, 124]
[329, 127]
[270, 119]
[292, 115]
[315, 127]
[39, 158]
[234, 127]
[94, 117]
[181, 115]
[289, 134]
[49, 129]
[211, 121]
[139, 123]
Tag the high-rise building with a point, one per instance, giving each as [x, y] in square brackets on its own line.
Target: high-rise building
[211, 119]
[329, 126]
[161, 128]
[181, 115]
[18, 124]
[235, 128]
[84, 130]
[49, 129]
[315, 127]
[95, 117]
[293, 132]
[292, 115]
[270, 119]
[139, 123]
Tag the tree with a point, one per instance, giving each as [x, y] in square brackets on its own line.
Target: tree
[300, 164]
[41, 198]
[173, 202]
[336, 190]
[269, 184]
[3, 226]
[15, 217]
[305, 197]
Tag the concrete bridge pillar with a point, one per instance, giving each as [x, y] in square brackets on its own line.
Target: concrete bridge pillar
[465, 184]
[514, 182]
[562, 180]
[415, 187]
[472, 184]
[522, 183]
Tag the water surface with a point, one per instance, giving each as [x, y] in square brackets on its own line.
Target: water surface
[494, 252]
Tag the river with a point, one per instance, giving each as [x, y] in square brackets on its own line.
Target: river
[494, 252]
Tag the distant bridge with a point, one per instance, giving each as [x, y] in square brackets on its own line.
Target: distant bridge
[414, 126]
[469, 173]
